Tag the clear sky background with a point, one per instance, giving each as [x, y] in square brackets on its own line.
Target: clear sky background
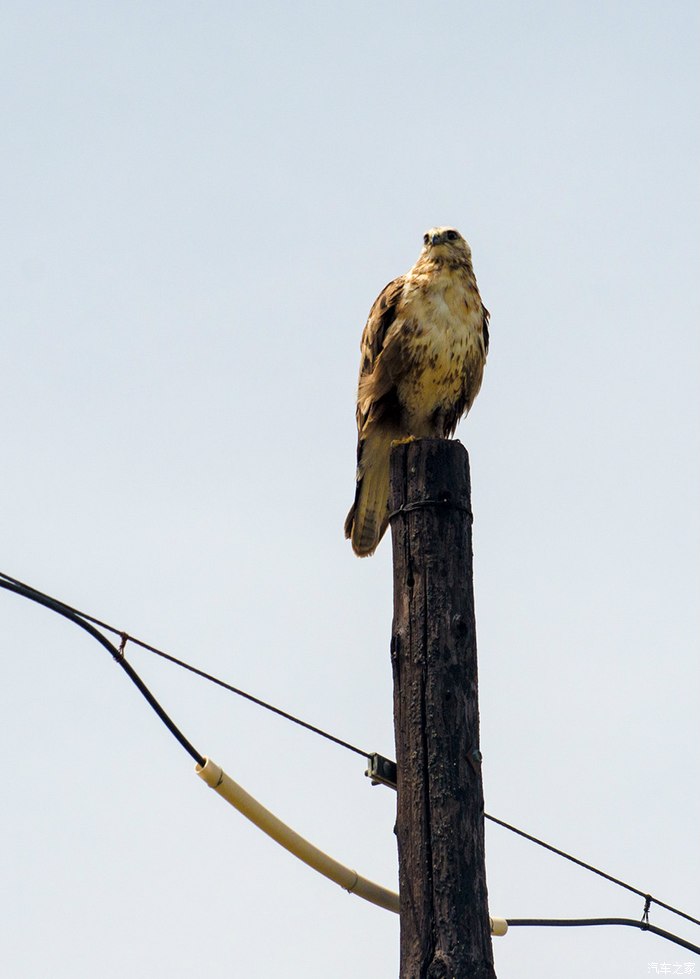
[201, 200]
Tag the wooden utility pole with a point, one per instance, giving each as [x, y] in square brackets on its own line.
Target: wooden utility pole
[445, 931]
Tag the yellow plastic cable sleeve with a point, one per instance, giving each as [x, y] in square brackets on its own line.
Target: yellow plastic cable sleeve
[350, 880]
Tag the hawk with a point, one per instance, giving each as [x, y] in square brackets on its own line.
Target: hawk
[423, 352]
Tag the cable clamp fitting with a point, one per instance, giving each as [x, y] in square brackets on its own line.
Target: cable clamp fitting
[381, 770]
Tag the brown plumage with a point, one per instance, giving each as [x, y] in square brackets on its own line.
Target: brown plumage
[423, 353]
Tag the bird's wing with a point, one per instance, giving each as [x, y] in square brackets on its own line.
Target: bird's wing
[382, 353]
[381, 316]
[485, 328]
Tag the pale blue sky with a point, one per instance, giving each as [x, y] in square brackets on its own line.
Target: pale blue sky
[200, 203]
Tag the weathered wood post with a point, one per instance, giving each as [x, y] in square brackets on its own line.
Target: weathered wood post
[445, 931]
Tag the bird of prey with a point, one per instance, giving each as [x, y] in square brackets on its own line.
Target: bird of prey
[423, 352]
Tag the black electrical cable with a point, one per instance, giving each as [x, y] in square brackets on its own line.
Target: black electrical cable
[248, 696]
[594, 870]
[124, 636]
[73, 616]
[585, 922]
[82, 619]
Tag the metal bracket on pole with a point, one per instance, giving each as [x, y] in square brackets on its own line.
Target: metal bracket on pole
[381, 771]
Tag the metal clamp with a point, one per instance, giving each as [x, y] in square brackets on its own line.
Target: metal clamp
[381, 771]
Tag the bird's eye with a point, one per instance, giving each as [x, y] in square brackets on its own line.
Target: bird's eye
[426, 238]
[452, 236]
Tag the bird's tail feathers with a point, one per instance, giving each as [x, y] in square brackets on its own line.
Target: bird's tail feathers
[369, 515]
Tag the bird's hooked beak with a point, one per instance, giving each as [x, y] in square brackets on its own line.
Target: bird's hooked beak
[438, 238]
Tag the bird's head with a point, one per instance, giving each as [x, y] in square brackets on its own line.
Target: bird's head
[446, 244]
